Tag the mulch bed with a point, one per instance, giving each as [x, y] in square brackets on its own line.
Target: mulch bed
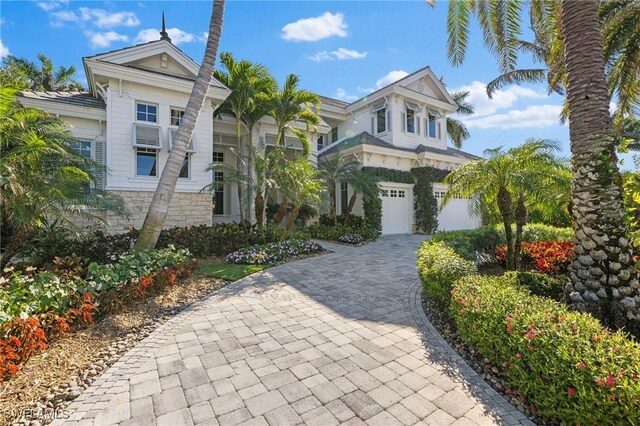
[51, 379]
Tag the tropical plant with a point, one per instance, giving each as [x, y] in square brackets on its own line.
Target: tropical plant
[456, 130]
[25, 75]
[332, 172]
[159, 207]
[364, 183]
[245, 80]
[511, 180]
[301, 185]
[292, 106]
[41, 176]
[601, 237]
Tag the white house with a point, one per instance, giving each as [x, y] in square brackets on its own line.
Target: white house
[136, 99]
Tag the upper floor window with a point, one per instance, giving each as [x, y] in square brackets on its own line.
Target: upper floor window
[410, 123]
[82, 147]
[380, 122]
[146, 112]
[334, 134]
[176, 116]
[320, 142]
[432, 128]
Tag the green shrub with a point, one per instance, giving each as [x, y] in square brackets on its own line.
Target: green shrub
[569, 367]
[355, 221]
[333, 233]
[534, 232]
[438, 267]
[545, 285]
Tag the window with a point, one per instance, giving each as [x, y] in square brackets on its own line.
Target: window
[82, 147]
[185, 169]
[432, 126]
[393, 193]
[400, 194]
[218, 191]
[381, 120]
[344, 197]
[385, 192]
[334, 134]
[411, 120]
[176, 116]
[146, 136]
[320, 142]
[146, 112]
[146, 162]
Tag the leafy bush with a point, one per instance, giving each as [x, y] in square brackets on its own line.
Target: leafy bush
[355, 221]
[333, 233]
[563, 362]
[439, 266]
[351, 239]
[469, 243]
[263, 254]
[547, 257]
[551, 286]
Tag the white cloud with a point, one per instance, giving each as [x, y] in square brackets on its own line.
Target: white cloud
[531, 116]
[344, 96]
[4, 50]
[104, 39]
[48, 6]
[501, 99]
[100, 18]
[314, 29]
[392, 77]
[340, 54]
[177, 36]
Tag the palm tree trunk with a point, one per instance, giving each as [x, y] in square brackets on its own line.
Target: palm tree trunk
[350, 206]
[258, 204]
[504, 205]
[250, 172]
[282, 211]
[334, 204]
[601, 273]
[239, 167]
[159, 206]
[292, 217]
[521, 220]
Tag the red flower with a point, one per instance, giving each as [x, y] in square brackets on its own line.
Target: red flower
[571, 391]
[518, 355]
[611, 381]
[581, 364]
[600, 382]
[509, 329]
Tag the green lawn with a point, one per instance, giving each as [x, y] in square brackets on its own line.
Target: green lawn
[229, 271]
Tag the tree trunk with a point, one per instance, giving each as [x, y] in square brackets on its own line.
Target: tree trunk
[601, 273]
[259, 207]
[521, 220]
[352, 203]
[159, 207]
[292, 217]
[334, 204]
[19, 237]
[250, 172]
[504, 205]
[240, 168]
[282, 211]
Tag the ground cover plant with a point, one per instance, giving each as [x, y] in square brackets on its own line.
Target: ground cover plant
[229, 271]
[265, 254]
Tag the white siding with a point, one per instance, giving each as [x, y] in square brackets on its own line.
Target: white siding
[120, 152]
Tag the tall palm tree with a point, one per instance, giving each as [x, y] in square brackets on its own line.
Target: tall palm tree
[456, 130]
[601, 273]
[159, 207]
[511, 180]
[26, 75]
[245, 80]
[364, 183]
[41, 176]
[332, 172]
[290, 106]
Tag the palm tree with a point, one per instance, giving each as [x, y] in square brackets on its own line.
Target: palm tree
[159, 206]
[26, 75]
[290, 106]
[332, 172]
[245, 80]
[456, 129]
[511, 180]
[601, 239]
[362, 182]
[41, 176]
[299, 182]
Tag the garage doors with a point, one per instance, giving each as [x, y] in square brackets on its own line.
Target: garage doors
[397, 207]
[455, 214]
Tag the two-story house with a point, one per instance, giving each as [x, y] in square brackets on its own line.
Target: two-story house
[136, 99]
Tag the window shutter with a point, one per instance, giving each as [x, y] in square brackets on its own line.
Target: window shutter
[439, 130]
[146, 136]
[373, 125]
[99, 157]
[417, 119]
[403, 119]
[388, 119]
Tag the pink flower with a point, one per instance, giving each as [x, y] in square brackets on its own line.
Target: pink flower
[581, 364]
[509, 329]
[571, 391]
[518, 355]
[611, 381]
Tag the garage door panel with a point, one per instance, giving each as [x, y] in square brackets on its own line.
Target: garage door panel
[397, 208]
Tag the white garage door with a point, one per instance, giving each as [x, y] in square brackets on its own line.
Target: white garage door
[455, 214]
[397, 208]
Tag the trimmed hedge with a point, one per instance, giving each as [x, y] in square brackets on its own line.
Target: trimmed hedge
[568, 366]
[551, 286]
[439, 266]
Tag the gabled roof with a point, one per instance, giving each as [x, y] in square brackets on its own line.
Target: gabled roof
[332, 101]
[83, 99]
[452, 152]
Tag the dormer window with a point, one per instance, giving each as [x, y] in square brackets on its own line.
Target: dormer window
[146, 112]
[433, 125]
[381, 120]
[410, 123]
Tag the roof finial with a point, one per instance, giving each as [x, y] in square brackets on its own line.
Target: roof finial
[163, 34]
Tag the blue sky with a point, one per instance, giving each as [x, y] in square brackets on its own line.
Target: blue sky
[339, 49]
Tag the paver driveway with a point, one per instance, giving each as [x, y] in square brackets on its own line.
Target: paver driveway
[335, 339]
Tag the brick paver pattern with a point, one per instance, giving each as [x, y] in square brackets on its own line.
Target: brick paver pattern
[339, 338]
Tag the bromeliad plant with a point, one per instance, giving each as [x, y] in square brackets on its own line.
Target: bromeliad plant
[265, 254]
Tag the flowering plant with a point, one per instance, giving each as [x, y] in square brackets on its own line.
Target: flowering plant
[263, 254]
[548, 257]
[351, 239]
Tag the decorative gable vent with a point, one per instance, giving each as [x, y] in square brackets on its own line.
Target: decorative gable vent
[145, 136]
[173, 133]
